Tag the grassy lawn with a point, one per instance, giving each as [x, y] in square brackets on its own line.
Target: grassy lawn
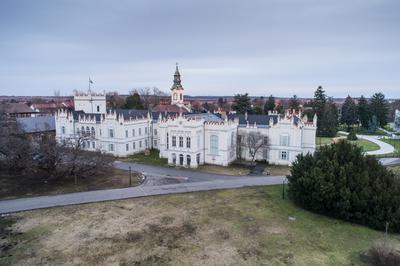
[277, 170]
[394, 142]
[248, 226]
[366, 145]
[362, 131]
[233, 169]
[153, 158]
[14, 186]
[320, 141]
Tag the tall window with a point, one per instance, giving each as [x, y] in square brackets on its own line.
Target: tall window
[111, 133]
[98, 108]
[127, 147]
[63, 130]
[134, 145]
[93, 145]
[145, 130]
[140, 131]
[155, 131]
[140, 144]
[126, 133]
[167, 141]
[180, 141]
[145, 141]
[87, 131]
[284, 140]
[173, 141]
[93, 131]
[133, 132]
[214, 144]
[188, 142]
[111, 147]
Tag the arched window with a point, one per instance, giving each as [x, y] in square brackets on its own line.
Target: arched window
[87, 131]
[181, 96]
[63, 130]
[181, 159]
[83, 130]
[93, 131]
[188, 160]
[175, 97]
[214, 144]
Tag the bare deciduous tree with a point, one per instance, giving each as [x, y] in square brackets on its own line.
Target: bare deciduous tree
[114, 100]
[255, 142]
[150, 96]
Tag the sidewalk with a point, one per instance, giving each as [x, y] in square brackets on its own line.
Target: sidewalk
[23, 204]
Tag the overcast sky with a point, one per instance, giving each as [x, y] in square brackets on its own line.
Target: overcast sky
[279, 47]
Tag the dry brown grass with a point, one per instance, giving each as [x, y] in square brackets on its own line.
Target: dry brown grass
[229, 170]
[14, 186]
[230, 227]
[277, 170]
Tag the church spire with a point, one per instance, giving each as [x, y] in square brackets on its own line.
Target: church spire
[177, 80]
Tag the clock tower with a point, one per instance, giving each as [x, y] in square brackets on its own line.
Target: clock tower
[177, 89]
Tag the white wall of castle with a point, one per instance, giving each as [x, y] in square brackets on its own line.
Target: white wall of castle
[90, 103]
[210, 142]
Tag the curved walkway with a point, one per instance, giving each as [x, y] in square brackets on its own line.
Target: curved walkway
[384, 147]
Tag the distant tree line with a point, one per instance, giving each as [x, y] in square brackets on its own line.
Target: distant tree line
[141, 98]
[369, 114]
[242, 104]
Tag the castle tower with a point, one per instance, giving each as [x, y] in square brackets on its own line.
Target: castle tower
[177, 89]
[90, 102]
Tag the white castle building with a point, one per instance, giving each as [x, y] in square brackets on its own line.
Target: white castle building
[397, 120]
[185, 139]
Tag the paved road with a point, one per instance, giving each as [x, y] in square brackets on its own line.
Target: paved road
[157, 175]
[23, 204]
[390, 161]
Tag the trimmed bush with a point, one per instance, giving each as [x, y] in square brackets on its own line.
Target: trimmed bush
[339, 181]
[352, 135]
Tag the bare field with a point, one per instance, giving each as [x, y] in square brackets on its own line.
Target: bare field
[15, 186]
[229, 227]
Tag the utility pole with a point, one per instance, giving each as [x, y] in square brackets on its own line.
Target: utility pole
[283, 189]
[130, 176]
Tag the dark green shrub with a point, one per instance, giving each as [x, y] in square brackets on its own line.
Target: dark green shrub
[352, 135]
[340, 182]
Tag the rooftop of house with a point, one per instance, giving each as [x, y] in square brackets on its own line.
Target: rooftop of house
[37, 124]
[16, 108]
